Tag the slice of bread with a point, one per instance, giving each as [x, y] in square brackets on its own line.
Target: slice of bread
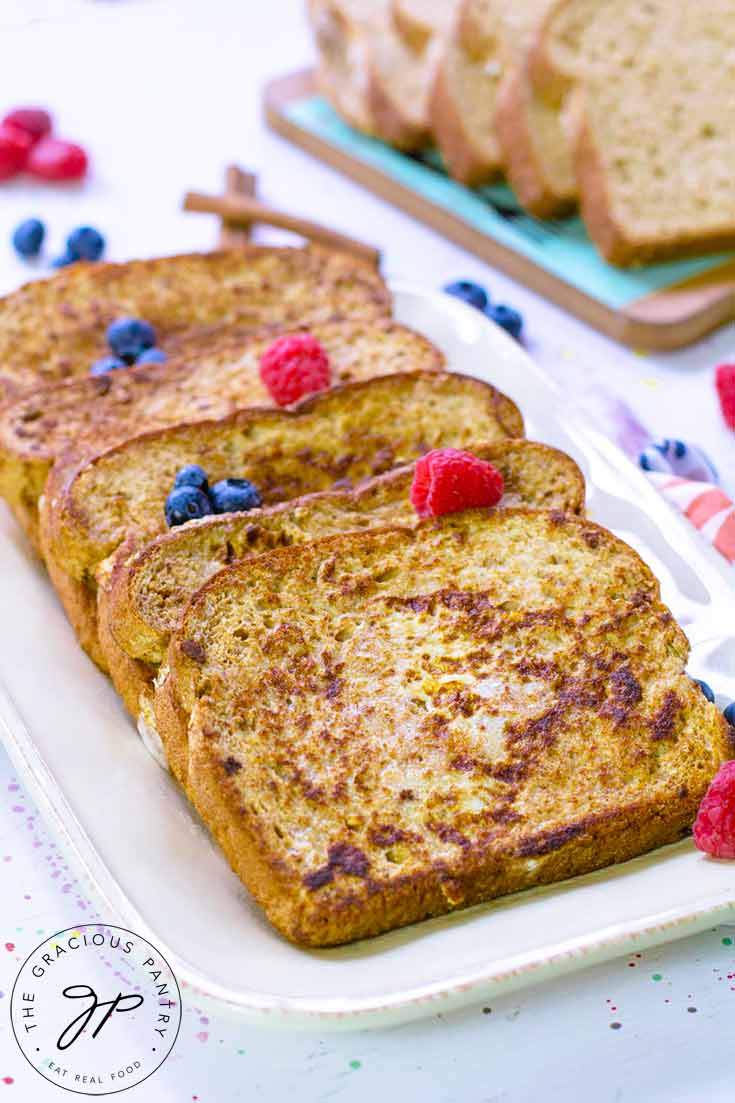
[342, 63]
[52, 330]
[209, 376]
[391, 725]
[418, 21]
[653, 183]
[465, 85]
[144, 589]
[372, 73]
[660, 183]
[348, 433]
[537, 152]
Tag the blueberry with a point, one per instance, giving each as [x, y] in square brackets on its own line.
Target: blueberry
[471, 293]
[192, 475]
[28, 238]
[85, 243]
[185, 503]
[705, 689]
[507, 318]
[234, 496]
[130, 337]
[729, 714]
[152, 356]
[107, 364]
[63, 260]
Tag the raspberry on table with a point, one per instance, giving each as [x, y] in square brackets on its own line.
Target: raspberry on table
[293, 366]
[714, 827]
[55, 159]
[725, 383]
[14, 149]
[447, 480]
[33, 120]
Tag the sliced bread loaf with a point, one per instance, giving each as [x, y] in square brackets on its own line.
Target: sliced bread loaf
[209, 376]
[391, 725]
[52, 330]
[144, 589]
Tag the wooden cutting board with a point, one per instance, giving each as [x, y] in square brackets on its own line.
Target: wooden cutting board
[663, 306]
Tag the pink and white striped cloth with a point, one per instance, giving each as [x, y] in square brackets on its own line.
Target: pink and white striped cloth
[706, 505]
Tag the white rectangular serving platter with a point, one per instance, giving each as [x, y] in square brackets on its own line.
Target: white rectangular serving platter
[150, 866]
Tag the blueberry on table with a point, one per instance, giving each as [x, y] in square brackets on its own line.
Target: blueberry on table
[85, 243]
[234, 496]
[729, 714]
[471, 293]
[152, 356]
[107, 364]
[507, 318]
[706, 690]
[28, 237]
[186, 503]
[192, 475]
[130, 337]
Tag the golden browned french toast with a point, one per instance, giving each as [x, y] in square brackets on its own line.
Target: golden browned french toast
[143, 589]
[348, 433]
[209, 376]
[390, 725]
[53, 329]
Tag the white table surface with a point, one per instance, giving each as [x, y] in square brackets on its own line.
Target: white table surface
[164, 94]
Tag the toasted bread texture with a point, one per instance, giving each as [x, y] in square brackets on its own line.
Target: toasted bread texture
[209, 376]
[348, 433]
[395, 724]
[143, 592]
[54, 329]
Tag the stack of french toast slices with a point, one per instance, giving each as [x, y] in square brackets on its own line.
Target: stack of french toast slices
[379, 718]
[615, 106]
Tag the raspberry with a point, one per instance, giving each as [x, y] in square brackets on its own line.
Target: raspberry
[294, 366]
[54, 159]
[725, 383]
[33, 120]
[447, 480]
[714, 827]
[14, 147]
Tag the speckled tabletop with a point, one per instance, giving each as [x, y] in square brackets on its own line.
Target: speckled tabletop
[653, 1026]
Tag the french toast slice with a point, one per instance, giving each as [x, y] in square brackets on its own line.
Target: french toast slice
[53, 329]
[143, 590]
[391, 725]
[349, 433]
[210, 376]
